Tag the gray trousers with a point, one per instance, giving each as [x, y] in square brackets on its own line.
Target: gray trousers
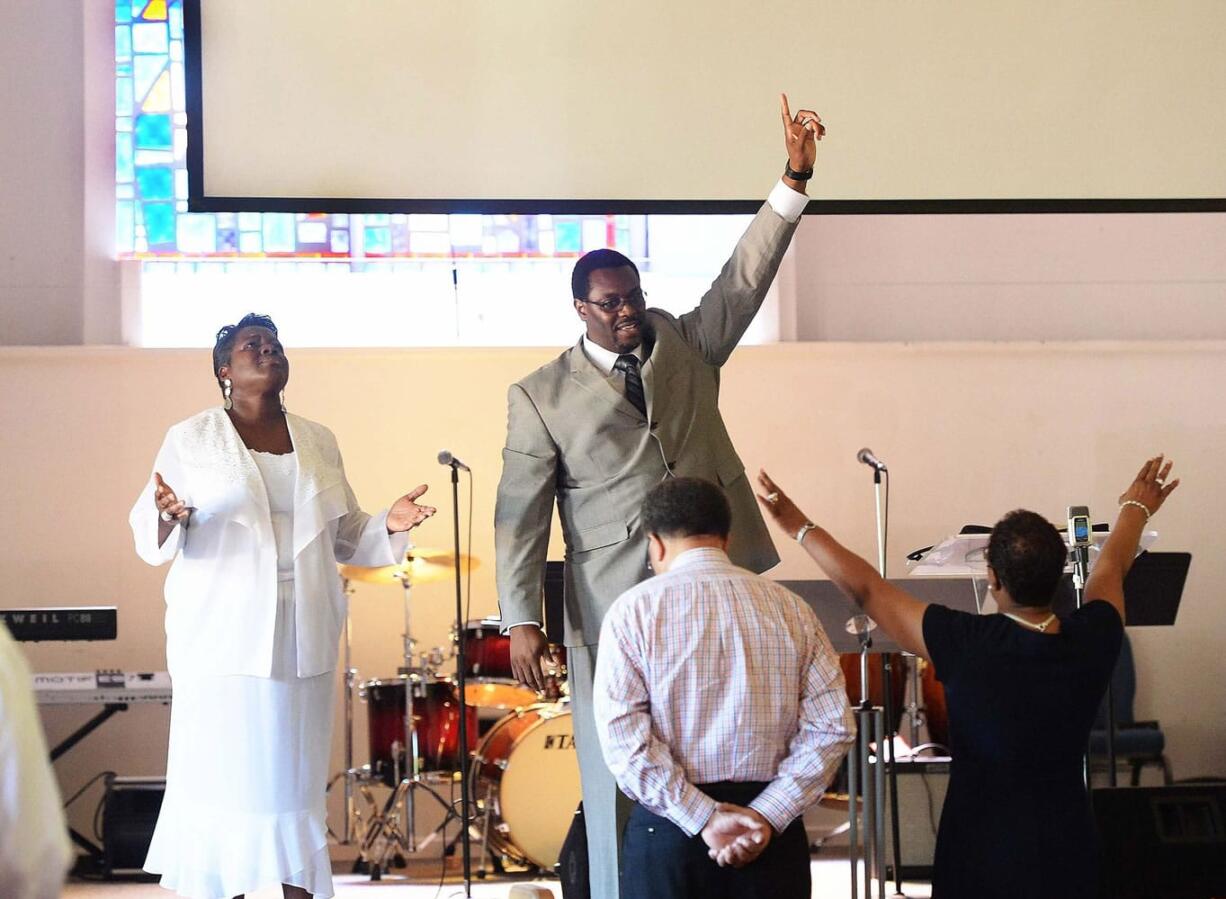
[605, 807]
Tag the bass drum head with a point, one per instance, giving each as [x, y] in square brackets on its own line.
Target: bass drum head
[538, 790]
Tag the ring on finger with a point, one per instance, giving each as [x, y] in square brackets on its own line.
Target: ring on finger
[166, 516]
[1160, 482]
[772, 497]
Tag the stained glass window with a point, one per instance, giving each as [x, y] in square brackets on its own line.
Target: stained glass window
[152, 221]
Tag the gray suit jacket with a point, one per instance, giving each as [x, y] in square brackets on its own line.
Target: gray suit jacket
[573, 437]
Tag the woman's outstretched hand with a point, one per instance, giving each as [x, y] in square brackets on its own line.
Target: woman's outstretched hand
[405, 514]
[1150, 487]
[777, 506]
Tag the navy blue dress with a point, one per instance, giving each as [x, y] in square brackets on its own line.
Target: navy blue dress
[1017, 820]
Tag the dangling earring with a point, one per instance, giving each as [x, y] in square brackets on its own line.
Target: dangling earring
[226, 386]
[282, 400]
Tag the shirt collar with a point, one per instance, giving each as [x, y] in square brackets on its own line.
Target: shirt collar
[703, 555]
[606, 359]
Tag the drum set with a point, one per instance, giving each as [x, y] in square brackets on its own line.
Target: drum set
[523, 774]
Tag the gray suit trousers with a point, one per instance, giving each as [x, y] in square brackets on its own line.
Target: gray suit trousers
[605, 807]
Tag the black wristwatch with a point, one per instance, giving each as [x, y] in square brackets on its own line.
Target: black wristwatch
[796, 176]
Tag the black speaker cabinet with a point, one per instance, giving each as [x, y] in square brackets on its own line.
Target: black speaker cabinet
[129, 812]
[921, 796]
[1167, 842]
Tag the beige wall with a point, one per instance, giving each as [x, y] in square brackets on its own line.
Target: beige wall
[969, 431]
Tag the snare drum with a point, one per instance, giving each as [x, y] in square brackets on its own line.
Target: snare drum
[436, 718]
[489, 681]
[525, 780]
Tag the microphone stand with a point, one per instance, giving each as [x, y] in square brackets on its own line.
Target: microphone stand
[1081, 567]
[887, 685]
[465, 838]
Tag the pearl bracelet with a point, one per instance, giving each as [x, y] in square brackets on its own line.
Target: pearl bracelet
[1140, 505]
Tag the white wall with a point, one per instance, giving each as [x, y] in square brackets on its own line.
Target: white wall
[970, 431]
[1011, 277]
[41, 193]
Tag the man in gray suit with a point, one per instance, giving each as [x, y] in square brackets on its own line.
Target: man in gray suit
[634, 402]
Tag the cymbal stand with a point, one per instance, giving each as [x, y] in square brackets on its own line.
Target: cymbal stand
[349, 774]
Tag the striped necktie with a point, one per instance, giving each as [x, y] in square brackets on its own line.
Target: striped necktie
[628, 365]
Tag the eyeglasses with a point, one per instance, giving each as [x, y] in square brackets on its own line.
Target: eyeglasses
[634, 299]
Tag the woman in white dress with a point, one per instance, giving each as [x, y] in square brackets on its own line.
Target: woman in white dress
[252, 507]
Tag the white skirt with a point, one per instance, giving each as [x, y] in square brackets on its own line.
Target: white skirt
[245, 779]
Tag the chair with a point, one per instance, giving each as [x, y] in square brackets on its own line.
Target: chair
[1137, 743]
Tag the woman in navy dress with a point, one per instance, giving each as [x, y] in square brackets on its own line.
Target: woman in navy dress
[1022, 688]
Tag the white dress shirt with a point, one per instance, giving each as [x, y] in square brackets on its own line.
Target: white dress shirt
[34, 848]
[221, 592]
[711, 673]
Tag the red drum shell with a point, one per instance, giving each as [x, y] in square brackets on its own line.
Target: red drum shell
[436, 717]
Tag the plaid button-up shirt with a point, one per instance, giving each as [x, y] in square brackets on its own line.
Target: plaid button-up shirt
[711, 673]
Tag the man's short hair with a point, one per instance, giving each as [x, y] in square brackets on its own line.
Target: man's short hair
[687, 507]
[1028, 555]
[590, 262]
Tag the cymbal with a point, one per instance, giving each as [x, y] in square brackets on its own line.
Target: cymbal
[421, 566]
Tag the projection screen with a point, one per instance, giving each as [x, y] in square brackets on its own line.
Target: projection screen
[672, 105]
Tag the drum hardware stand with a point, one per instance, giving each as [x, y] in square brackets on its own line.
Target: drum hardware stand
[350, 774]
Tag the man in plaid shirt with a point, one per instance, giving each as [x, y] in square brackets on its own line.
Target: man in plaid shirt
[721, 711]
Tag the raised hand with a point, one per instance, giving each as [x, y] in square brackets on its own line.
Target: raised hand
[735, 835]
[801, 133]
[1150, 487]
[777, 506]
[169, 506]
[405, 514]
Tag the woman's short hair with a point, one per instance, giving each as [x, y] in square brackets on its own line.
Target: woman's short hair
[590, 262]
[686, 507]
[1028, 555]
[224, 345]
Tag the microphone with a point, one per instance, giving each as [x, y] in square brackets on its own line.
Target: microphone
[445, 458]
[866, 456]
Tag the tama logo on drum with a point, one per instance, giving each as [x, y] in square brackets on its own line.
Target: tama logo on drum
[559, 741]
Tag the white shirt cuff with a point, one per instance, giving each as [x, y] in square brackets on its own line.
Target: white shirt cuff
[506, 628]
[787, 202]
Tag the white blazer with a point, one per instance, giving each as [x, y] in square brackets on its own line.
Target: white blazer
[221, 592]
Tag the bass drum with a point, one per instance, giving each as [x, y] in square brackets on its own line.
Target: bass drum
[525, 781]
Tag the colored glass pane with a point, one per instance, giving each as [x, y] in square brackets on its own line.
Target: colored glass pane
[124, 170]
[150, 37]
[123, 96]
[378, 240]
[125, 226]
[153, 132]
[568, 236]
[159, 219]
[278, 228]
[145, 71]
[175, 17]
[155, 10]
[123, 43]
[158, 98]
[155, 183]
[123, 11]
[196, 234]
